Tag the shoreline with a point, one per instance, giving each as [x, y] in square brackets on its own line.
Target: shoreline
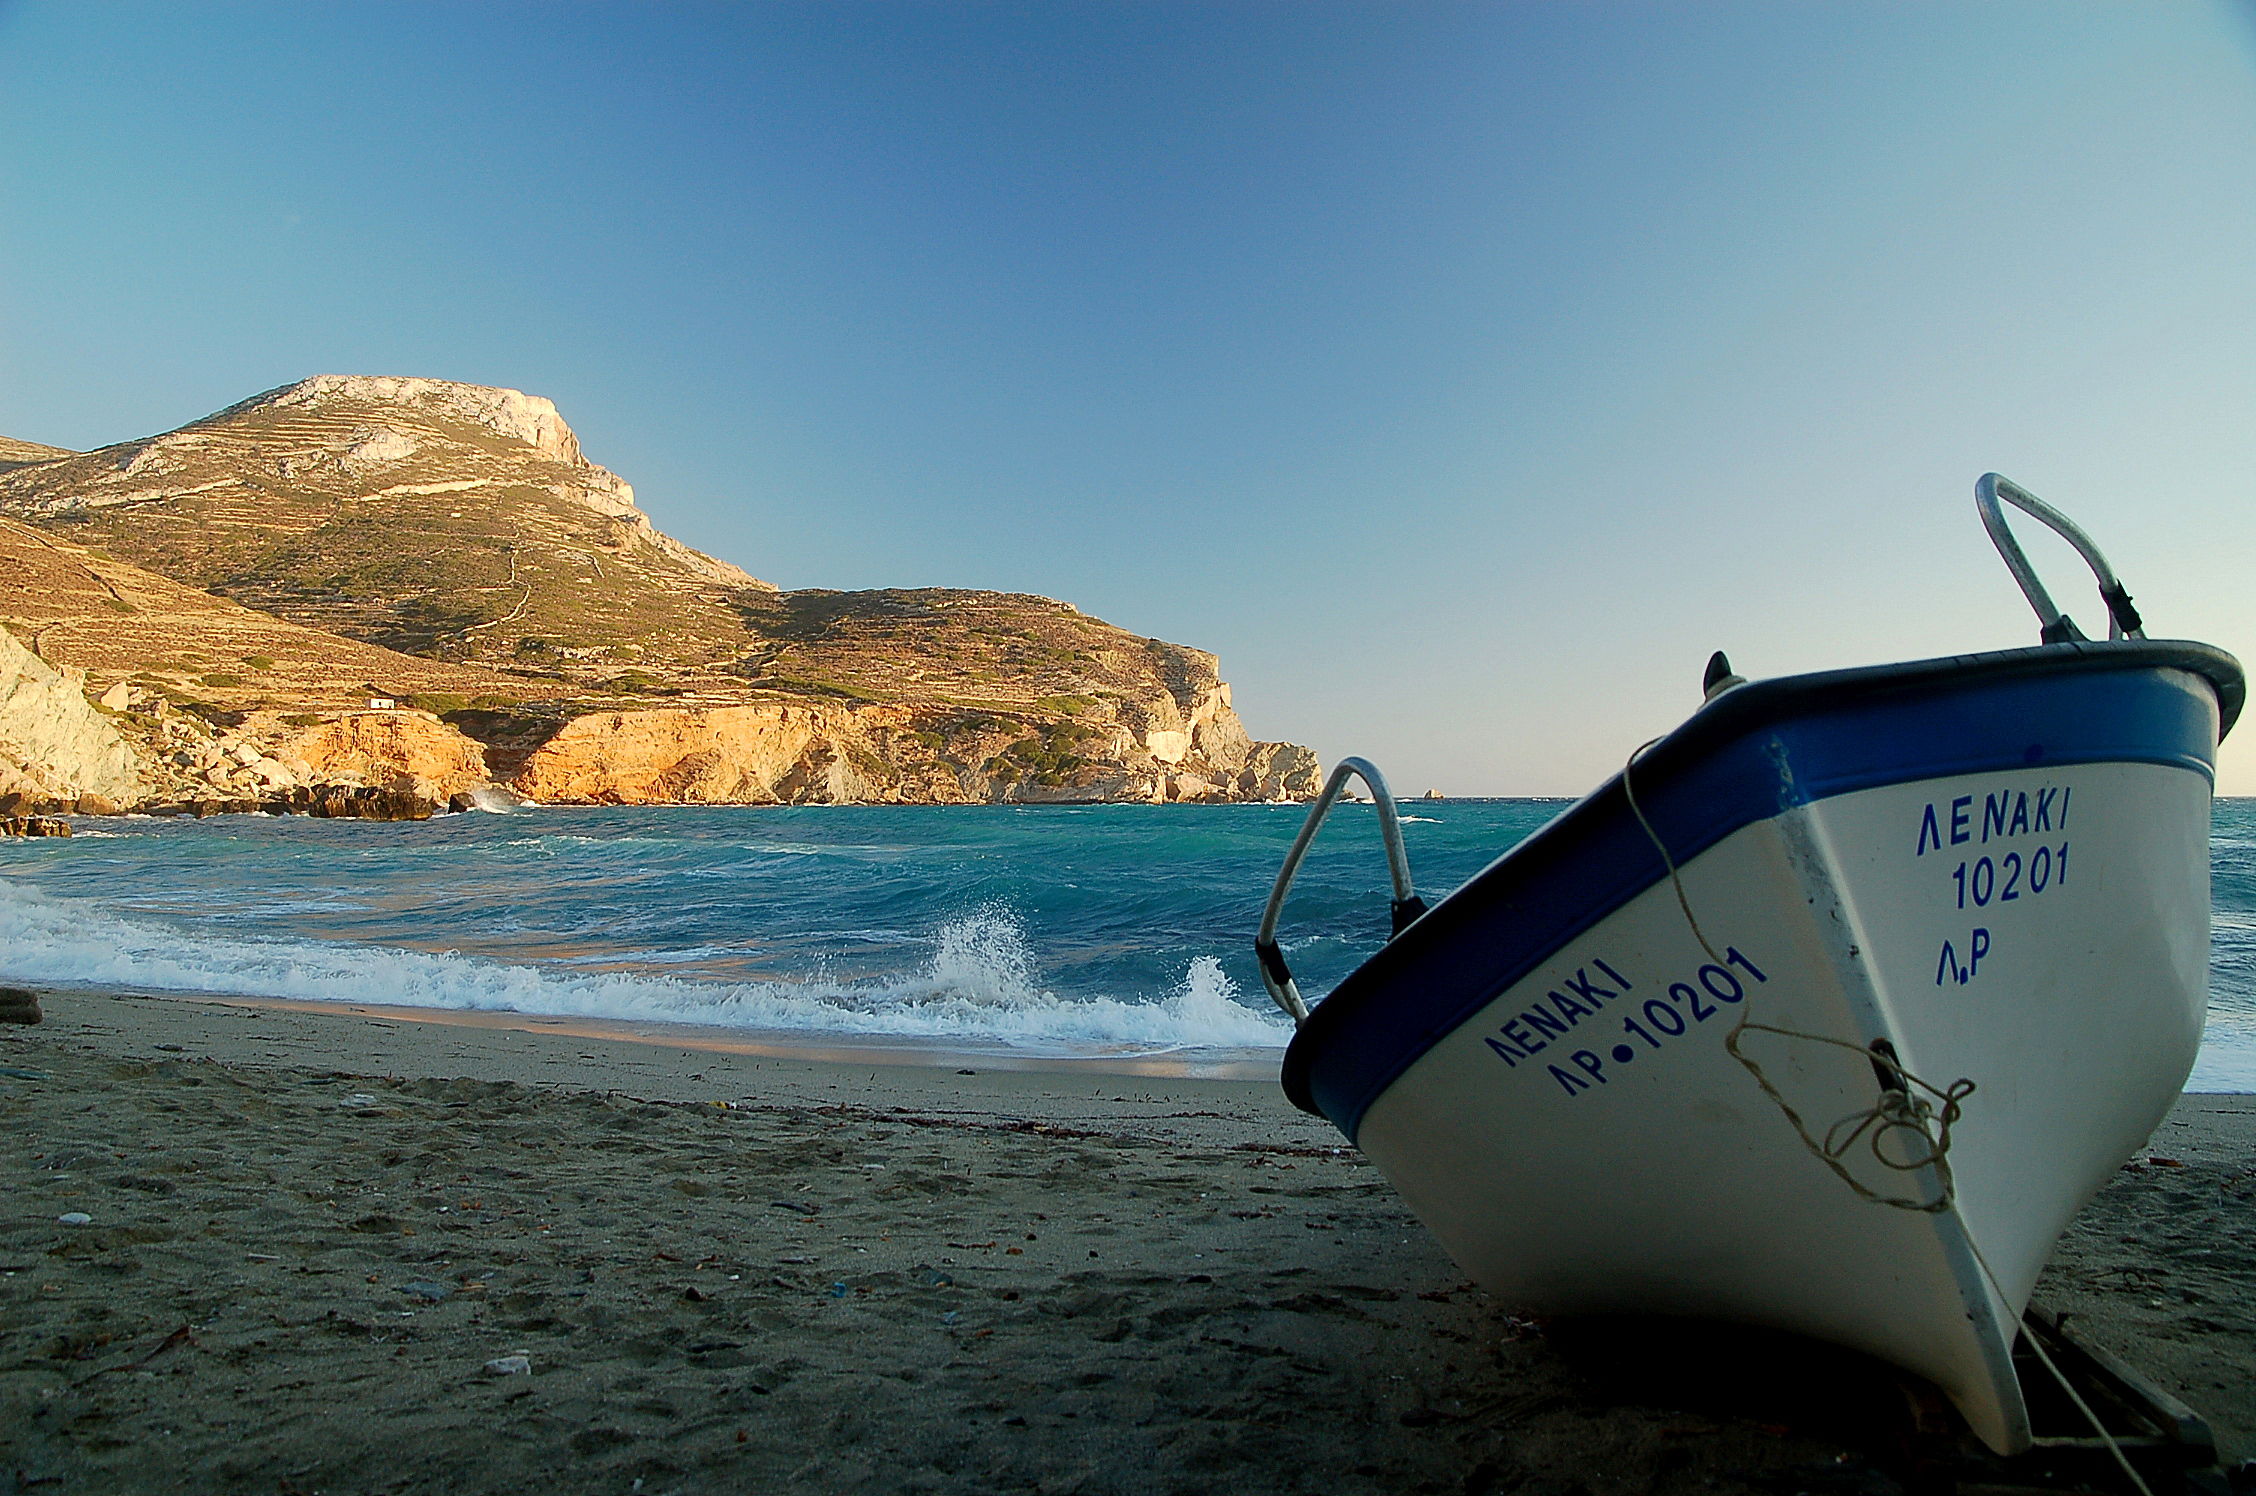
[814, 1046]
[836, 1047]
[361, 803]
[731, 1270]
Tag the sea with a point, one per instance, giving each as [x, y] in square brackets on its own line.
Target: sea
[1110, 933]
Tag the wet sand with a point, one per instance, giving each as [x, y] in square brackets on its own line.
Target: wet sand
[317, 1238]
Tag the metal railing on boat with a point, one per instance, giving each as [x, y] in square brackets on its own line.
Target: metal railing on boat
[1275, 974]
[1990, 495]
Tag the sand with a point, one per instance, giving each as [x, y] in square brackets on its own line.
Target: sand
[318, 1237]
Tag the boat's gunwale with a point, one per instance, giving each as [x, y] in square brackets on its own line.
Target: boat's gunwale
[1729, 721]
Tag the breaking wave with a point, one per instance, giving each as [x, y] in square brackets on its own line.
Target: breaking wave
[980, 983]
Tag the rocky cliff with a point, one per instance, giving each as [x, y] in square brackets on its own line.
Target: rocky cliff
[778, 752]
[409, 588]
[55, 747]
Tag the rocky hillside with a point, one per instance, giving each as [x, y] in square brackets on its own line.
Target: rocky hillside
[212, 703]
[78, 607]
[15, 454]
[446, 549]
[446, 520]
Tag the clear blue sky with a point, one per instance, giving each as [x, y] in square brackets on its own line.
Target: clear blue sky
[1462, 374]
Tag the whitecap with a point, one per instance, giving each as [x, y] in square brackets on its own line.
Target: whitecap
[980, 983]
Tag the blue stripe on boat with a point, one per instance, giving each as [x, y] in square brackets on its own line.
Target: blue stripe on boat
[1755, 751]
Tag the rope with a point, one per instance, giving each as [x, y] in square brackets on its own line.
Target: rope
[1900, 1114]
[1898, 1111]
[2044, 1359]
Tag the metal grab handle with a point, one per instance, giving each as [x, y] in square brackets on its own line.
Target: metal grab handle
[1275, 975]
[2122, 619]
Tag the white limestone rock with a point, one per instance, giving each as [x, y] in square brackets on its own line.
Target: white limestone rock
[510, 413]
[54, 745]
[379, 447]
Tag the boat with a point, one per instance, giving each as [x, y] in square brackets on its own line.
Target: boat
[1826, 1014]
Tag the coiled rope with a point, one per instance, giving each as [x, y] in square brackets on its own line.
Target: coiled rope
[1913, 1113]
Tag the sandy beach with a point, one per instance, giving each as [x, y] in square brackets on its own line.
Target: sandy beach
[343, 1251]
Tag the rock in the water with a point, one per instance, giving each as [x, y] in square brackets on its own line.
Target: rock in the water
[369, 803]
[490, 798]
[33, 826]
[202, 808]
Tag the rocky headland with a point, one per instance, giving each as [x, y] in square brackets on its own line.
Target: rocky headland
[385, 597]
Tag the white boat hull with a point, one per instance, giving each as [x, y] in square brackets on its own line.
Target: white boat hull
[1691, 1194]
[1570, 1122]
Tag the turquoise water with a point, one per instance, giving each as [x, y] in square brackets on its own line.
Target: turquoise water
[1083, 929]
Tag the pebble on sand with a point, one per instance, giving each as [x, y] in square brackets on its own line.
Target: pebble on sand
[519, 1365]
[74, 1218]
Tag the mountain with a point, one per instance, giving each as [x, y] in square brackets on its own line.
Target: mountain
[495, 581]
[441, 519]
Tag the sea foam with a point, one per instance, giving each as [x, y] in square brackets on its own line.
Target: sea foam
[980, 983]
